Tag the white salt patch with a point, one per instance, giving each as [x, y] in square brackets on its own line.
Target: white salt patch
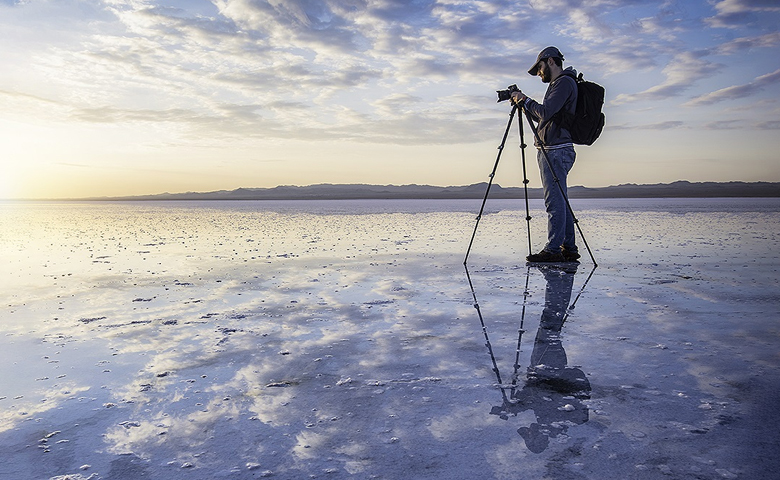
[726, 473]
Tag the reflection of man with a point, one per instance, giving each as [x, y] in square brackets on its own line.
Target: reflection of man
[557, 147]
[553, 391]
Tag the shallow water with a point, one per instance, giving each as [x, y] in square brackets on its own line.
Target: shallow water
[340, 340]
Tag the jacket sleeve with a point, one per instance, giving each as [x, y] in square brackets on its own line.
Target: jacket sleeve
[556, 97]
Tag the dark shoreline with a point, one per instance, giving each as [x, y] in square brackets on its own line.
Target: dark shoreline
[680, 189]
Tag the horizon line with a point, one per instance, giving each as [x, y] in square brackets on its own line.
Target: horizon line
[148, 196]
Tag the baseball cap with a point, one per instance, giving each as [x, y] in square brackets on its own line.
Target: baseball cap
[549, 52]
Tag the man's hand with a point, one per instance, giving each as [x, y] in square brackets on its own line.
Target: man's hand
[518, 97]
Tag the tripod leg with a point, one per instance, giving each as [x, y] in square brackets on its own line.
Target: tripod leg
[525, 182]
[490, 183]
[484, 327]
[521, 330]
[560, 187]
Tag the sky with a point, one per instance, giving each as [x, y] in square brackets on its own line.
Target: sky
[131, 97]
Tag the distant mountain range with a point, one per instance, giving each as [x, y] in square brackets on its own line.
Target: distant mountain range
[477, 190]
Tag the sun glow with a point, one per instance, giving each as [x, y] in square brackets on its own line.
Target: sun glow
[6, 181]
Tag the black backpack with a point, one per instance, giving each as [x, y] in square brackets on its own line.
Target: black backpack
[587, 122]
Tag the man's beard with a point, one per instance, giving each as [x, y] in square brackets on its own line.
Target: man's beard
[545, 73]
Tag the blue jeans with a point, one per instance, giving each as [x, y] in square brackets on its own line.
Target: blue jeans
[560, 222]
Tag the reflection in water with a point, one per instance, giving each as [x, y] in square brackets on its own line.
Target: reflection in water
[553, 391]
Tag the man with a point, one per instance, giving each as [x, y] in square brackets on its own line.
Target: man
[556, 145]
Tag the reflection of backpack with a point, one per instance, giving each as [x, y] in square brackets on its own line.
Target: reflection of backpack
[587, 122]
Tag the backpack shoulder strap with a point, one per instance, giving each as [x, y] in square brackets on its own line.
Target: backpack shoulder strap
[570, 74]
[562, 117]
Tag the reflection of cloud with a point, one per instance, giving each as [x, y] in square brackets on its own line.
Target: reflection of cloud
[241, 364]
[463, 419]
[175, 431]
[10, 417]
[309, 445]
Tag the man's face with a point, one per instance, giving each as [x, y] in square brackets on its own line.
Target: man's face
[544, 71]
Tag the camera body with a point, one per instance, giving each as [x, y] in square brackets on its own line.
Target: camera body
[504, 95]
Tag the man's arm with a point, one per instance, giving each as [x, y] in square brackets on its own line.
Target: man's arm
[519, 98]
[557, 95]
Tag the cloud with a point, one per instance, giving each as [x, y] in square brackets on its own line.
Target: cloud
[395, 119]
[247, 65]
[680, 73]
[736, 13]
[620, 56]
[384, 70]
[33, 98]
[736, 91]
[666, 24]
[586, 25]
[329, 23]
[723, 125]
[742, 44]
[618, 45]
[665, 125]
[398, 102]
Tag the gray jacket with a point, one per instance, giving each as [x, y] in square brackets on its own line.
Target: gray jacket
[561, 94]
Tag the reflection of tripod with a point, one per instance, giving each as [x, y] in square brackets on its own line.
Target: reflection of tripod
[553, 391]
[559, 282]
[525, 181]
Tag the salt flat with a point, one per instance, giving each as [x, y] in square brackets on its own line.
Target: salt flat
[340, 340]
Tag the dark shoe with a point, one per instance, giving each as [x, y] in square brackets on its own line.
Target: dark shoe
[570, 255]
[545, 257]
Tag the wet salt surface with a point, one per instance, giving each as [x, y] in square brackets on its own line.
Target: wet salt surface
[340, 340]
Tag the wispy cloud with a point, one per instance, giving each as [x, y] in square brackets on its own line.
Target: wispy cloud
[743, 44]
[770, 125]
[736, 91]
[241, 60]
[736, 13]
[723, 125]
[665, 125]
[680, 74]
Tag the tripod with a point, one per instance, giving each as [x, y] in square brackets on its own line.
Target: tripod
[492, 175]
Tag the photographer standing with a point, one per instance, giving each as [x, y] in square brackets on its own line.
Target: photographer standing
[556, 143]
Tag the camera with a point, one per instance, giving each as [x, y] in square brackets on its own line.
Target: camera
[504, 95]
